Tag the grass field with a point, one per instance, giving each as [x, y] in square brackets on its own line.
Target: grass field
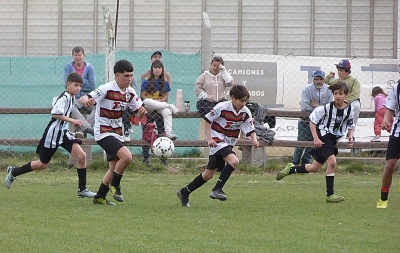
[41, 213]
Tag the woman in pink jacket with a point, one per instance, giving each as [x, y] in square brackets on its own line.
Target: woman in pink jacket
[210, 86]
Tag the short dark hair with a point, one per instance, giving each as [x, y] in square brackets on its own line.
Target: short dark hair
[218, 59]
[341, 85]
[74, 77]
[239, 91]
[156, 53]
[123, 65]
[78, 49]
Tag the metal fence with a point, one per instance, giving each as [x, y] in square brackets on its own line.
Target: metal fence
[272, 47]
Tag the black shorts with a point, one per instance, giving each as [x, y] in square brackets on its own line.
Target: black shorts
[328, 148]
[393, 148]
[111, 145]
[216, 161]
[45, 154]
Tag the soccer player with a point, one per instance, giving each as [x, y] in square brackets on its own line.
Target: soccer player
[392, 104]
[112, 100]
[57, 134]
[328, 124]
[222, 128]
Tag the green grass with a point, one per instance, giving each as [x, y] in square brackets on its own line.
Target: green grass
[41, 213]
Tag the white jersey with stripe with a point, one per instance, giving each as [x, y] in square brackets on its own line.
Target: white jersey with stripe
[392, 102]
[111, 104]
[330, 119]
[54, 132]
[226, 124]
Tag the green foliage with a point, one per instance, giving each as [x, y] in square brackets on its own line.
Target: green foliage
[260, 215]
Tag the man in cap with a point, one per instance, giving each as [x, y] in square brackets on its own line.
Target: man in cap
[313, 95]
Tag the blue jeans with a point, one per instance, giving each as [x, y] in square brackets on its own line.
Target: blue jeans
[303, 134]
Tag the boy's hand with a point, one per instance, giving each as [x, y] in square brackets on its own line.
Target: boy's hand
[211, 143]
[142, 110]
[331, 74]
[350, 142]
[318, 143]
[77, 122]
[385, 125]
[256, 143]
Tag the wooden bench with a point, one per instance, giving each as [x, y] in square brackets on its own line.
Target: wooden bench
[247, 144]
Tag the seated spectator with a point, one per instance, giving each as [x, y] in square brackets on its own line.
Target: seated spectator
[210, 86]
[154, 93]
[87, 72]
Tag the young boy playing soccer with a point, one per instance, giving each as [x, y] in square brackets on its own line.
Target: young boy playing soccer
[112, 100]
[57, 134]
[328, 124]
[392, 104]
[222, 127]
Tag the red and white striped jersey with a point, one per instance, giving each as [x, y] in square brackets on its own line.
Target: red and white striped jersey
[226, 124]
[111, 104]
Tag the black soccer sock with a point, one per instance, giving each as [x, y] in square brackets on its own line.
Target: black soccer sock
[384, 193]
[223, 178]
[116, 181]
[22, 170]
[81, 178]
[329, 185]
[298, 169]
[195, 184]
[103, 190]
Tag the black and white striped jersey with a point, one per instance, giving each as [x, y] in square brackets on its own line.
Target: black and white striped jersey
[392, 102]
[329, 119]
[53, 134]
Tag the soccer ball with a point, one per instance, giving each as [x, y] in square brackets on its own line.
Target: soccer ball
[163, 147]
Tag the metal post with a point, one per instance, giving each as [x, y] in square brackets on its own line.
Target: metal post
[206, 49]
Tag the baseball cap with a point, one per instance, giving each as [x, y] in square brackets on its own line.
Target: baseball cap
[156, 53]
[319, 73]
[344, 64]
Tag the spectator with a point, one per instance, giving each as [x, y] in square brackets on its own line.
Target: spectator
[154, 93]
[55, 135]
[344, 71]
[314, 94]
[379, 100]
[154, 116]
[210, 86]
[112, 99]
[86, 70]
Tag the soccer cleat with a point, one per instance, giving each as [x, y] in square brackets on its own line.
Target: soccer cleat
[102, 201]
[334, 198]
[9, 178]
[86, 194]
[173, 108]
[184, 198]
[218, 194]
[382, 203]
[285, 172]
[127, 137]
[117, 195]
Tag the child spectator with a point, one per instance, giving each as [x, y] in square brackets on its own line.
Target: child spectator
[154, 93]
[379, 99]
[55, 135]
[222, 127]
[328, 124]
